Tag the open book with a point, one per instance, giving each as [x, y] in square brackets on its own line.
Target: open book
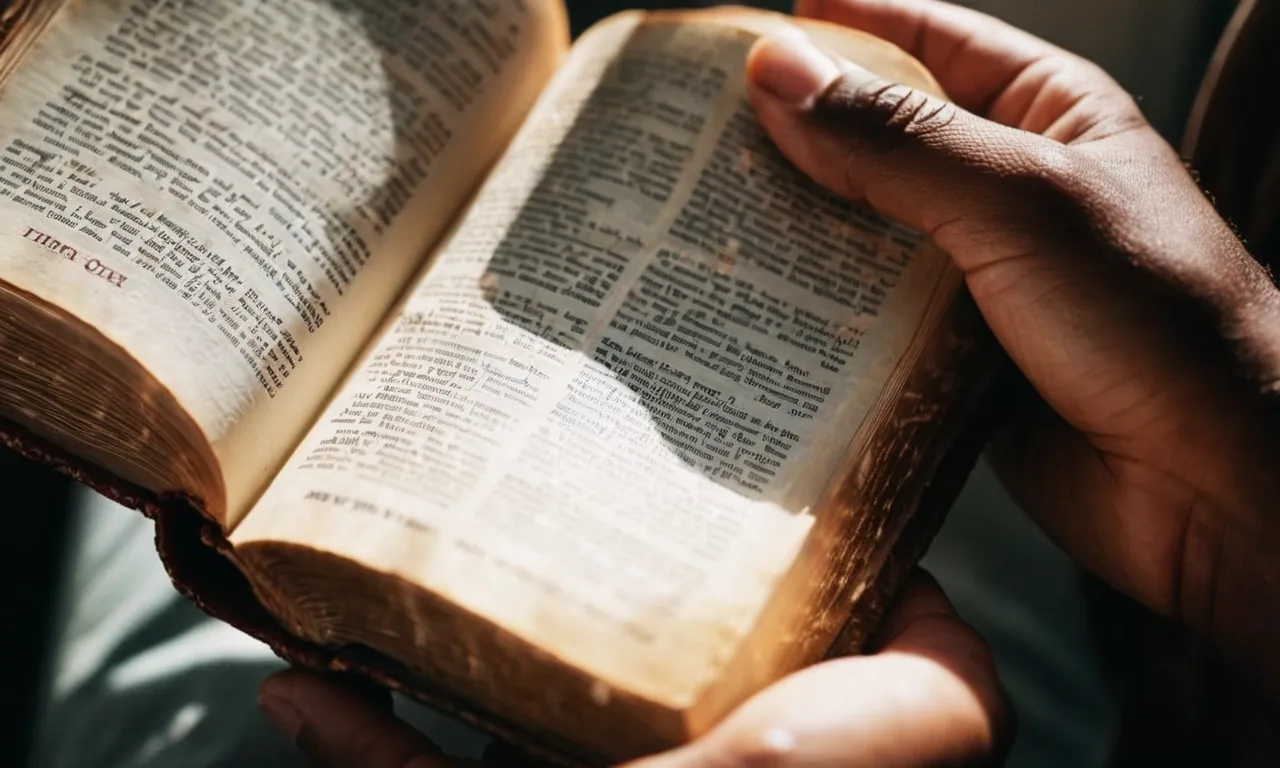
[529, 380]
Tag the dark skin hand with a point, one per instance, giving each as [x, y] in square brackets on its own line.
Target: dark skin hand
[1150, 335]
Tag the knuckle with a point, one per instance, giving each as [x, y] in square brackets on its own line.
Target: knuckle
[1051, 170]
[1102, 201]
[1099, 79]
[880, 115]
[1065, 190]
[1101, 115]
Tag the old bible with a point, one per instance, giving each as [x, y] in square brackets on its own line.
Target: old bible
[526, 378]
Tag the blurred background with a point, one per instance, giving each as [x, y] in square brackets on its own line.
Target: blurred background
[92, 676]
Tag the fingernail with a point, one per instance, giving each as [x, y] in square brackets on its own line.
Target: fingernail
[790, 68]
[283, 714]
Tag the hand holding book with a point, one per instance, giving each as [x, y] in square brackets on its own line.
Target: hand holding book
[1066, 246]
[589, 456]
[1149, 333]
[594, 444]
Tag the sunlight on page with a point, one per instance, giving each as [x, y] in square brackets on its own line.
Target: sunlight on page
[235, 192]
[596, 421]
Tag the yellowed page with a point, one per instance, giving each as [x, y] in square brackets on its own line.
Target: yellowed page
[235, 192]
[604, 417]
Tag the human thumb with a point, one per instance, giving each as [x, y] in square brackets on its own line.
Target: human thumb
[913, 156]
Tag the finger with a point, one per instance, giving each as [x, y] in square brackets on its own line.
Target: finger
[921, 601]
[930, 697]
[986, 65]
[338, 726]
[974, 56]
[918, 159]
[1017, 212]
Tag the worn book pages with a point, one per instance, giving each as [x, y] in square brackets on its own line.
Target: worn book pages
[216, 202]
[601, 428]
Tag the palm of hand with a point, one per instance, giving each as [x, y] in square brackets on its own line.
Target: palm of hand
[1150, 419]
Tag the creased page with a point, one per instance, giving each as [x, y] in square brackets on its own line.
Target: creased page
[603, 418]
[235, 192]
